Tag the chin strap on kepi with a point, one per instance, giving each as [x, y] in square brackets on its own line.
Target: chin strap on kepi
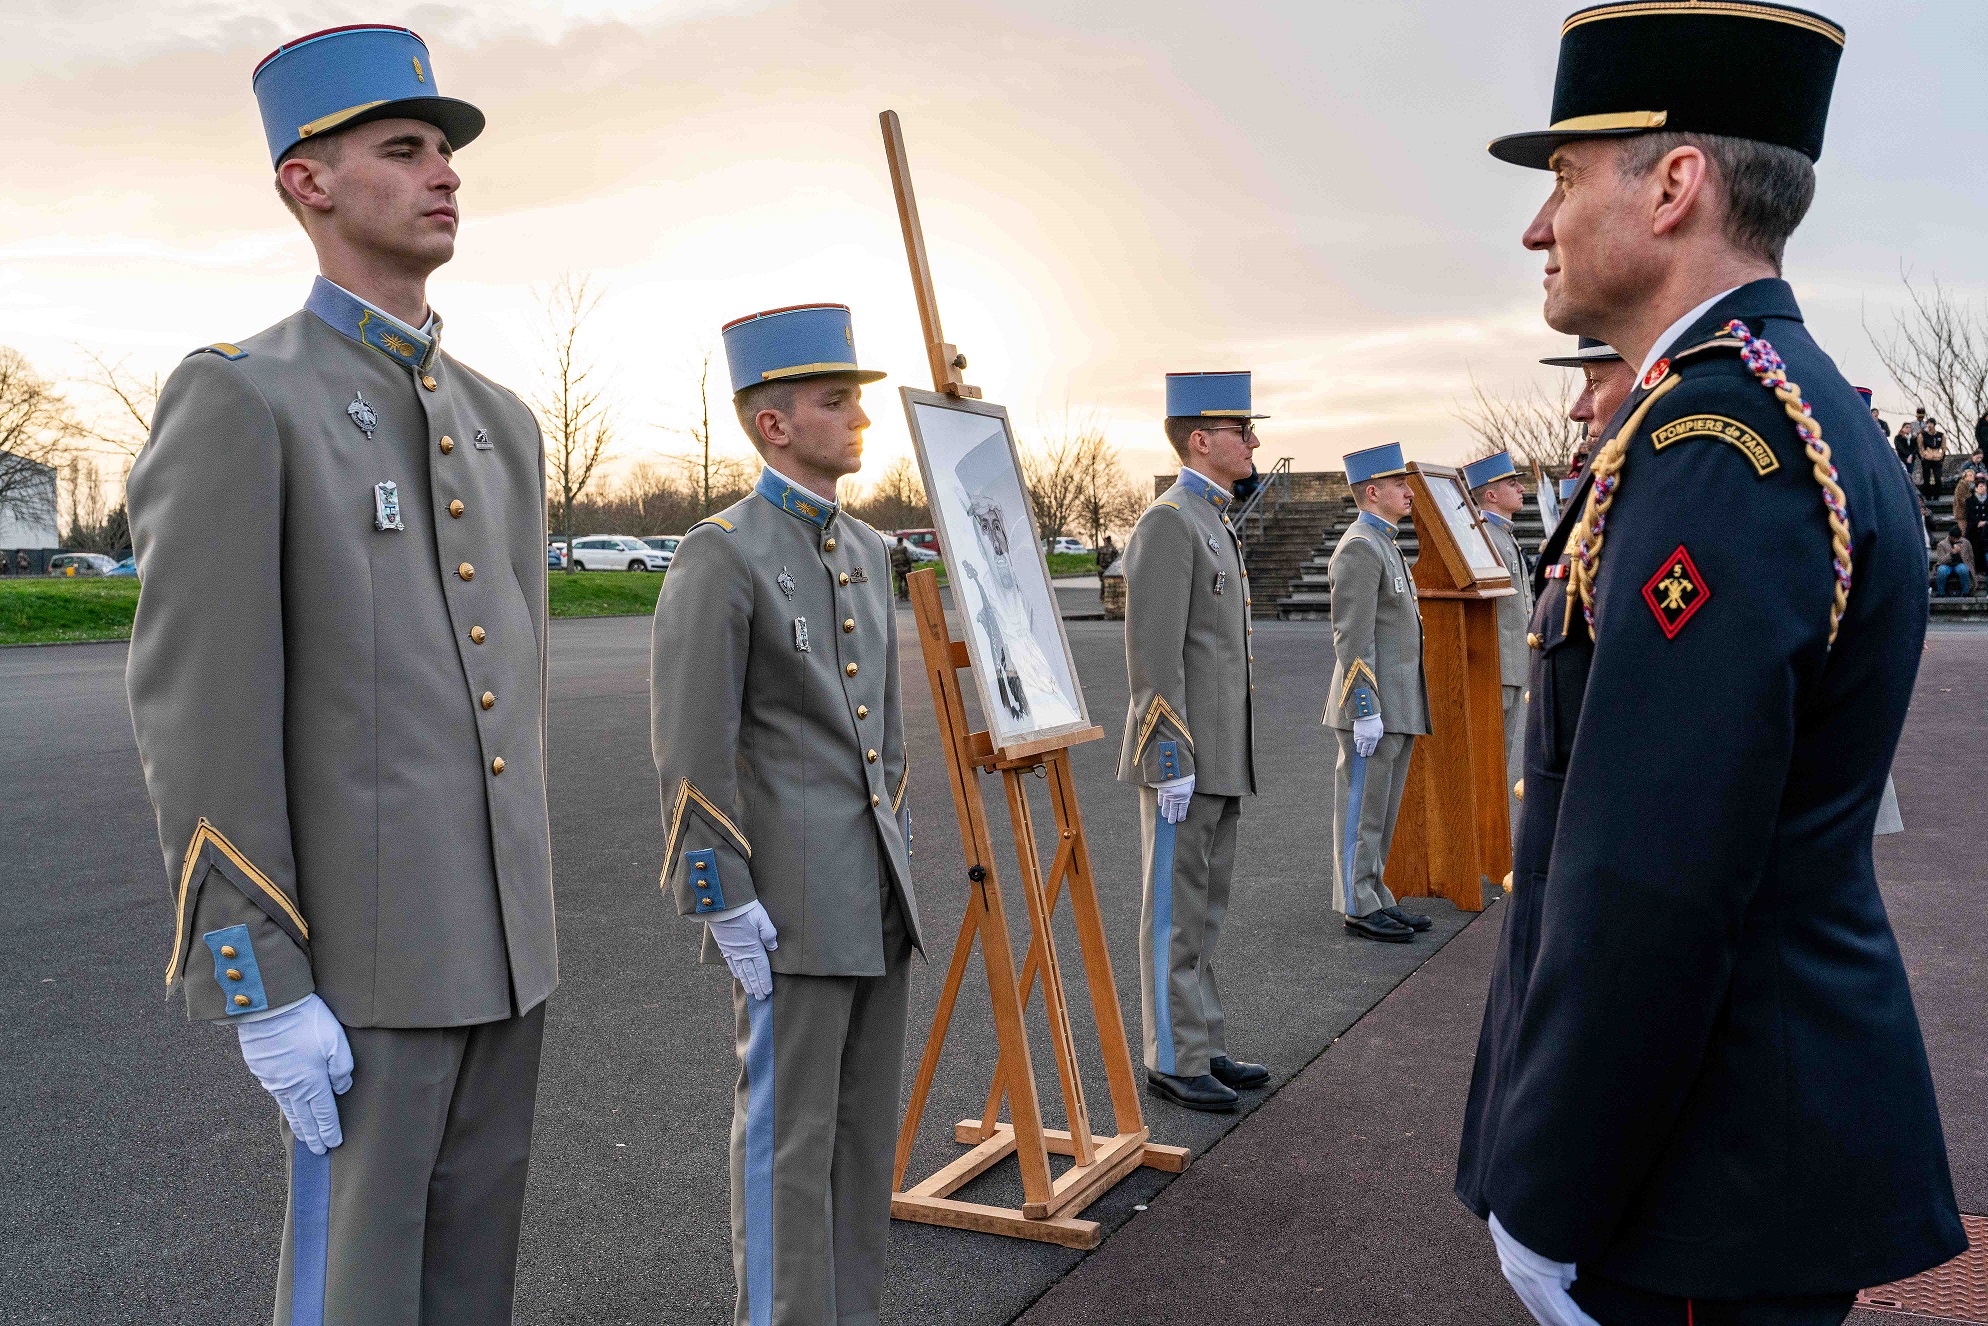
[1766, 365]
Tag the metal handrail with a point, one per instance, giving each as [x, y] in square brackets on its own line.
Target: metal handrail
[1270, 494]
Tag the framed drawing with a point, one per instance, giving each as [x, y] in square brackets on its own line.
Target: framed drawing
[994, 562]
[1458, 535]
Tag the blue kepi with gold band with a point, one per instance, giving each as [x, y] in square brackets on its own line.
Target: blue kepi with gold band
[343, 77]
[1488, 470]
[1743, 70]
[799, 341]
[1381, 462]
[1212, 395]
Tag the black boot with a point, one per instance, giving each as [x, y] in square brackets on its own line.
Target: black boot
[1239, 1076]
[1197, 1093]
[1413, 920]
[1379, 925]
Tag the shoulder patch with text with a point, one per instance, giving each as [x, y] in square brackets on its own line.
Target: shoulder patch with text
[1676, 592]
[1749, 443]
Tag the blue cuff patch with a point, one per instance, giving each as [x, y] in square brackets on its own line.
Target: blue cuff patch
[1365, 704]
[1169, 760]
[701, 869]
[235, 970]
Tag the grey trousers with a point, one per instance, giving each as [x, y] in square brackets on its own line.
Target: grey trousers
[814, 1132]
[413, 1219]
[1187, 869]
[1366, 797]
[1515, 753]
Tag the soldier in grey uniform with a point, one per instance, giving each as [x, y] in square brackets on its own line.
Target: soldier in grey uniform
[1500, 494]
[779, 746]
[337, 678]
[1189, 739]
[1379, 701]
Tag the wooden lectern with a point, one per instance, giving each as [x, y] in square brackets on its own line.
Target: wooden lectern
[1454, 832]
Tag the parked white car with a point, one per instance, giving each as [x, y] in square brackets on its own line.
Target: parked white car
[666, 545]
[616, 552]
[1066, 544]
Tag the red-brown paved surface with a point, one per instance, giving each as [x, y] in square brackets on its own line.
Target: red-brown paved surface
[1332, 1203]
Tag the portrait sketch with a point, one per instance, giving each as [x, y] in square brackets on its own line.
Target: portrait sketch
[995, 567]
[1460, 514]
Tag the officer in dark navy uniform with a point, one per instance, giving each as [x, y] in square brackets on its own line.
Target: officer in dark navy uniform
[1701, 1095]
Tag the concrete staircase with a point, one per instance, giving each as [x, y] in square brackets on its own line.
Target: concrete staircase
[1310, 595]
[1281, 550]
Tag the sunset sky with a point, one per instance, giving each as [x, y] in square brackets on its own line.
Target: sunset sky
[1110, 192]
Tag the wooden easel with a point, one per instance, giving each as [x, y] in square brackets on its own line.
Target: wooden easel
[1050, 1206]
[1454, 831]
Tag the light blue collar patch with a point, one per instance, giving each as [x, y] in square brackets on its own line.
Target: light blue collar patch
[345, 312]
[1497, 520]
[794, 499]
[1369, 518]
[1202, 486]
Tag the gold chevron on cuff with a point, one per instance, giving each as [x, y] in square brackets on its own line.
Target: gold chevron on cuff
[1155, 711]
[685, 794]
[897, 798]
[1353, 675]
[203, 834]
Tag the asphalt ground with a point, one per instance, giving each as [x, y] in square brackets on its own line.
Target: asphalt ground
[1333, 1203]
[139, 1163]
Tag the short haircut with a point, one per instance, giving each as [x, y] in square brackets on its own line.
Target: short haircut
[1768, 187]
[778, 395]
[1180, 427]
[328, 149]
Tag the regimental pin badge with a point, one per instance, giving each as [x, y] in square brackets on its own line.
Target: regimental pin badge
[801, 634]
[480, 439]
[857, 577]
[1221, 581]
[360, 413]
[1212, 545]
[386, 506]
[1398, 586]
[786, 583]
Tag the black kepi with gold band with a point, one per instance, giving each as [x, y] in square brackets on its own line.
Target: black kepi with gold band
[343, 77]
[1729, 67]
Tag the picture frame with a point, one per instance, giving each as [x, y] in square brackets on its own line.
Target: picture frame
[1023, 670]
[1457, 530]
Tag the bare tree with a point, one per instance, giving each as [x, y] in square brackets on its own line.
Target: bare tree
[1106, 498]
[895, 499]
[699, 461]
[37, 434]
[130, 401]
[573, 409]
[1937, 350]
[1051, 473]
[1530, 422]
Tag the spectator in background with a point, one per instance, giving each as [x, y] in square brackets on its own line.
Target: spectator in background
[1906, 443]
[1932, 457]
[900, 566]
[1963, 487]
[1953, 565]
[1973, 517]
[1107, 554]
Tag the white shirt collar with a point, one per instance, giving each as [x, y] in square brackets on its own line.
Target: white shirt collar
[1675, 330]
[425, 329]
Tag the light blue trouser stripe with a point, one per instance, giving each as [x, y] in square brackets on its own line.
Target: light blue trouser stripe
[1356, 786]
[1162, 939]
[759, 1162]
[310, 1233]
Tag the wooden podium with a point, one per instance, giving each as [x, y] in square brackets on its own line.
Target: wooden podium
[1454, 832]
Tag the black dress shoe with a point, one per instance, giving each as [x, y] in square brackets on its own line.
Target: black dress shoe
[1379, 925]
[1197, 1093]
[1241, 1076]
[1413, 920]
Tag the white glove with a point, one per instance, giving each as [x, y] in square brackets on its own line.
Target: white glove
[301, 1057]
[1174, 796]
[1541, 1284]
[744, 934]
[1367, 734]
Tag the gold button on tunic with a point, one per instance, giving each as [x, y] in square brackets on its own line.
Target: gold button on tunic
[455, 508]
[448, 444]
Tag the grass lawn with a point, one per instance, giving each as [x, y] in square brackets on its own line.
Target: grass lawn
[604, 593]
[40, 612]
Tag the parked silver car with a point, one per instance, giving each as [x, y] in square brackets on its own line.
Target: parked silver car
[616, 552]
